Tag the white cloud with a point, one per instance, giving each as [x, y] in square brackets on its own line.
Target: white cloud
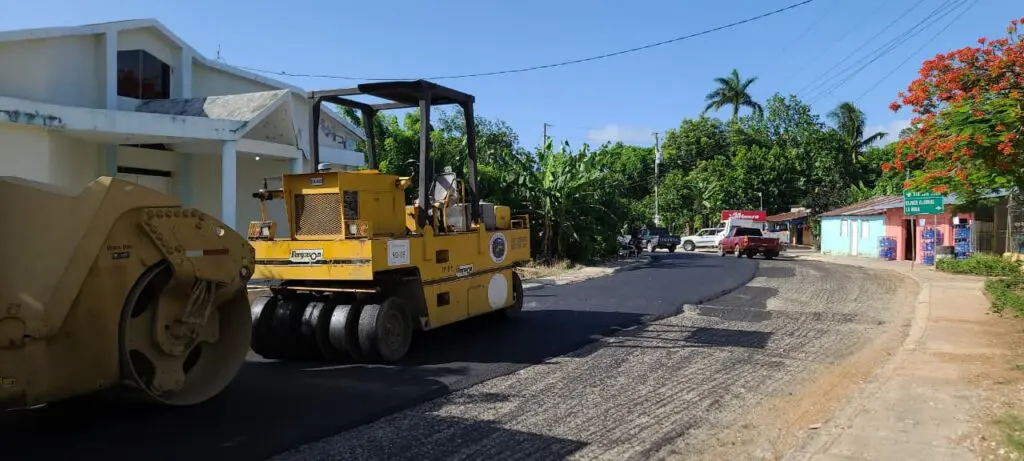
[891, 130]
[615, 133]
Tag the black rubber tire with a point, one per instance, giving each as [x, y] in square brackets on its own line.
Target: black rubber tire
[689, 246]
[672, 249]
[310, 328]
[385, 331]
[513, 311]
[262, 342]
[721, 251]
[343, 333]
[286, 326]
[737, 252]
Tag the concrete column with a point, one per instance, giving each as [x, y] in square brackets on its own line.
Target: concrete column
[229, 184]
[185, 178]
[186, 73]
[109, 166]
[298, 166]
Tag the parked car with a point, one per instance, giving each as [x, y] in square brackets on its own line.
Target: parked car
[659, 237]
[749, 241]
[704, 238]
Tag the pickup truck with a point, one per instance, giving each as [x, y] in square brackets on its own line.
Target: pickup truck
[749, 241]
[659, 237]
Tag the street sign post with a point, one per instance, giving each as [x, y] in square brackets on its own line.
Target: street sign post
[921, 203]
[918, 203]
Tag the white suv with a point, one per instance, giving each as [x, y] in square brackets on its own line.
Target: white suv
[704, 238]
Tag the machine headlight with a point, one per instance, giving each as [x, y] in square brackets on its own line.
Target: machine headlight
[353, 228]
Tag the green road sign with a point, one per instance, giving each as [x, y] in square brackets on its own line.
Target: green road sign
[915, 203]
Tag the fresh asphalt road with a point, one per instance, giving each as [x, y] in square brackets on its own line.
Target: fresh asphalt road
[273, 407]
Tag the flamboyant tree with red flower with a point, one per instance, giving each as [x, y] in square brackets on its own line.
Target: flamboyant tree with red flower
[968, 128]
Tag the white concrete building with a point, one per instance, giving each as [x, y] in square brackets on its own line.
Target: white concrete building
[132, 100]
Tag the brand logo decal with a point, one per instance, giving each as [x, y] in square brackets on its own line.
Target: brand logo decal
[499, 247]
[307, 255]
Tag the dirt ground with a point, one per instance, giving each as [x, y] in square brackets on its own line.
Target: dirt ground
[999, 378]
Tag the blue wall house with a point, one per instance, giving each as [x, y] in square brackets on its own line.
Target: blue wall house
[854, 230]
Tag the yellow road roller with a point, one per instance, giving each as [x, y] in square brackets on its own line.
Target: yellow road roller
[119, 289]
[361, 270]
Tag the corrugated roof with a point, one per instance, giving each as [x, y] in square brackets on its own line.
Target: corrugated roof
[872, 206]
[878, 205]
[787, 216]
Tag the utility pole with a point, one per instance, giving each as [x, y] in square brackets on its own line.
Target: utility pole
[544, 140]
[657, 160]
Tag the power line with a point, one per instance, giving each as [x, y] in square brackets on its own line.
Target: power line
[810, 27]
[547, 66]
[888, 47]
[853, 26]
[918, 50]
[866, 43]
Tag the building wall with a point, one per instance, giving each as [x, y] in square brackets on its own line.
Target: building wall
[837, 241]
[33, 153]
[207, 81]
[206, 183]
[67, 71]
[896, 224]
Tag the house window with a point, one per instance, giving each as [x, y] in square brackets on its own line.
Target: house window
[865, 230]
[141, 75]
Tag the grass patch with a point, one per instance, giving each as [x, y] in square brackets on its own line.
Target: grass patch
[982, 265]
[534, 270]
[1012, 427]
[1006, 294]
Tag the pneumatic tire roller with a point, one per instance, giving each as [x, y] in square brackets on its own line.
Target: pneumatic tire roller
[117, 289]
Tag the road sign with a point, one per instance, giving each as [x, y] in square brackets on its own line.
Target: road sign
[915, 203]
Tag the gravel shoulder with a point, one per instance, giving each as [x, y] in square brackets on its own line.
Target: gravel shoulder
[758, 362]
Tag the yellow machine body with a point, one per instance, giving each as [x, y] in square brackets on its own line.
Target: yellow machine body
[117, 287]
[455, 269]
[361, 270]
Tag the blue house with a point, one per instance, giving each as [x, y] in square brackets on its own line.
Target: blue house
[854, 230]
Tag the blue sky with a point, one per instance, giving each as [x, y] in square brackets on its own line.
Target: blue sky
[625, 97]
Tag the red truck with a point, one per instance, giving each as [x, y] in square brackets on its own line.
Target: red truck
[749, 241]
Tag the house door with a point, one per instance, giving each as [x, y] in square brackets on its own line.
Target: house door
[854, 237]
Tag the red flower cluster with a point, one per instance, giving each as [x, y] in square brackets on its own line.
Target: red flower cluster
[969, 112]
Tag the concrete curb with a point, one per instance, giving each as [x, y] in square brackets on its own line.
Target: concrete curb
[643, 261]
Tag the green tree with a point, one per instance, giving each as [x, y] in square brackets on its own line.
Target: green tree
[850, 122]
[732, 91]
[695, 140]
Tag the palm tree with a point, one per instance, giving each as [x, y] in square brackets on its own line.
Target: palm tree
[732, 91]
[850, 123]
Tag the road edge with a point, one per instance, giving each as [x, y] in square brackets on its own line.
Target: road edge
[535, 284]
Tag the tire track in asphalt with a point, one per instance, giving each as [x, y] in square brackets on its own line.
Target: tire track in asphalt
[671, 383]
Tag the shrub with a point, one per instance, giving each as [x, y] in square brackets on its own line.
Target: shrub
[1007, 294]
[981, 264]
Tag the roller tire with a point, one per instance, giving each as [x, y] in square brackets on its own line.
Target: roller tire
[262, 310]
[287, 325]
[342, 331]
[385, 331]
[310, 328]
[513, 311]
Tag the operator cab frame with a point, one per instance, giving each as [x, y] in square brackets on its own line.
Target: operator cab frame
[406, 94]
